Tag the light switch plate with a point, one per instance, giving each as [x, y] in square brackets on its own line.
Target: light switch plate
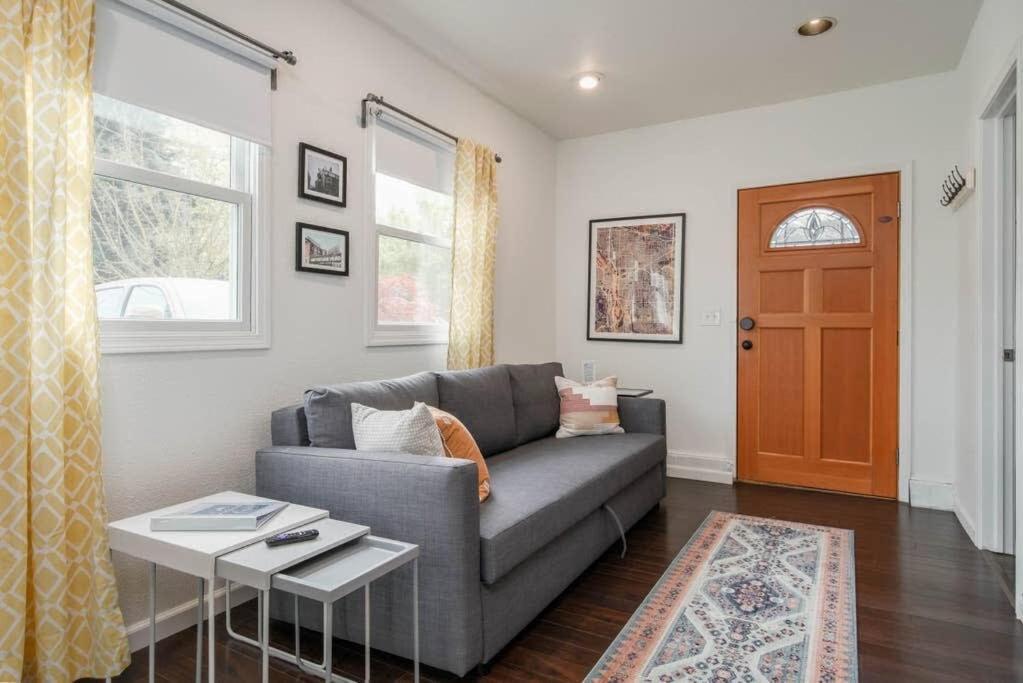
[711, 317]
[589, 371]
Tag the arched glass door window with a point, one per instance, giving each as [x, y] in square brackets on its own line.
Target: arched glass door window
[816, 226]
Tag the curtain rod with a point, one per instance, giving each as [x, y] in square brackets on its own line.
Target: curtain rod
[287, 55]
[376, 99]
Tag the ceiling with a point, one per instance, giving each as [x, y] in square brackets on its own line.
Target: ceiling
[672, 59]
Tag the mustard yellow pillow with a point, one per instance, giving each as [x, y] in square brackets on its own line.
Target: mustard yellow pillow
[458, 443]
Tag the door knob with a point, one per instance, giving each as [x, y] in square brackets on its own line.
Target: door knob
[747, 323]
[747, 344]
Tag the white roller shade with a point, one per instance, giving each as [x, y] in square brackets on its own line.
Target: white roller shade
[413, 154]
[152, 56]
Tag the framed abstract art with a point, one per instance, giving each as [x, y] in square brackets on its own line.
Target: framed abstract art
[635, 278]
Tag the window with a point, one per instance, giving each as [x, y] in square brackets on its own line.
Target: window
[412, 178]
[815, 227]
[181, 121]
[172, 226]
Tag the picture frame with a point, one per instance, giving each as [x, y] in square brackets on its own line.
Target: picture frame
[635, 278]
[322, 175]
[321, 250]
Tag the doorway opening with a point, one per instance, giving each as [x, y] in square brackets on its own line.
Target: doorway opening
[1000, 214]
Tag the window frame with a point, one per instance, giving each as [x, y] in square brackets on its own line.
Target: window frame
[394, 334]
[250, 170]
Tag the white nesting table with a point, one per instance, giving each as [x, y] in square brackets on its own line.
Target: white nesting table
[257, 565]
[331, 576]
[196, 553]
[342, 560]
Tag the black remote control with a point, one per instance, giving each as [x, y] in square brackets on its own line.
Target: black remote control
[292, 537]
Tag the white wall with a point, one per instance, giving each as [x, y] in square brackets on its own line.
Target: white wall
[696, 166]
[992, 43]
[178, 426]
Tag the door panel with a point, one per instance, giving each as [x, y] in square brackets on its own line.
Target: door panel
[781, 399]
[818, 388]
[845, 394]
[847, 290]
[781, 291]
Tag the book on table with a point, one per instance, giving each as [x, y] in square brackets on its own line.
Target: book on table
[219, 516]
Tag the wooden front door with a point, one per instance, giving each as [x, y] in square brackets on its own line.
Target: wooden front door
[818, 366]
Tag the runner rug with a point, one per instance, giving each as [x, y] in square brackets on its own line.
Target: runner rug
[747, 599]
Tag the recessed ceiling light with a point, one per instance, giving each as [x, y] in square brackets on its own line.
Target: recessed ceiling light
[816, 26]
[588, 80]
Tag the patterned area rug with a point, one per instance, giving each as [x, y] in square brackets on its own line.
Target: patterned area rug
[747, 599]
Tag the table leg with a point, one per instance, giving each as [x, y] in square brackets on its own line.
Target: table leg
[200, 600]
[152, 622]
[328, 640]
[211, 609]
[298, 647]
[264, 629]
[415, 617]
[367, 633]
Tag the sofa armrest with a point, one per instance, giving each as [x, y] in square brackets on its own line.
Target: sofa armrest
[643, 415]
[430, 501]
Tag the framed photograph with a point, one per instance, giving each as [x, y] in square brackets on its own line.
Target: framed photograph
[321, 250]
[322, 175]
[635, 278]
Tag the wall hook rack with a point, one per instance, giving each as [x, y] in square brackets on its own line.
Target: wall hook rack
[957, 187]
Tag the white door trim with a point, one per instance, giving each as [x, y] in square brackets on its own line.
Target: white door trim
[990, 498]
[989, 210]
[905, 171]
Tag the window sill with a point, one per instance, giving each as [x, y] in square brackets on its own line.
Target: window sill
[172, 342]
[410, 337]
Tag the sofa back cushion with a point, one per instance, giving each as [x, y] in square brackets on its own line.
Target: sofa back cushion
[482, 400]
[328, 409]
[537, 405]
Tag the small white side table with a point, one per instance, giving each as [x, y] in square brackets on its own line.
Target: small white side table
[196, 553]
[257, 564]
[325, 575]
[331, 576]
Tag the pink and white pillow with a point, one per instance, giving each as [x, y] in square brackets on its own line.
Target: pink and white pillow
[588, 409]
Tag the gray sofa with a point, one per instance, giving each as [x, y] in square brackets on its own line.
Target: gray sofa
[486, 570]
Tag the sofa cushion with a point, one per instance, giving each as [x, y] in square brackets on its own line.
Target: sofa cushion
[482, 400]
[329, 413]
[412, 431]
[458, 443]
[588, 409]
[543, 488]
[536, 400]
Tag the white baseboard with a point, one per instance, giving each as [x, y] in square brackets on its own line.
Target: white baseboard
[180, 617]
[936, 495]
[702, 467]
[965, 521]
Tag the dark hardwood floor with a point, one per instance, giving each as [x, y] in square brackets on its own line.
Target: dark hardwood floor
[930, 606]
[1005, 569]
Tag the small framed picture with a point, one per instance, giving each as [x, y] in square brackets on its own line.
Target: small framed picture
[321, 250]
[322, 175]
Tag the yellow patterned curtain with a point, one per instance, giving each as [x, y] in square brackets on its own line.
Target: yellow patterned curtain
[474, 251]
[59, 618]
